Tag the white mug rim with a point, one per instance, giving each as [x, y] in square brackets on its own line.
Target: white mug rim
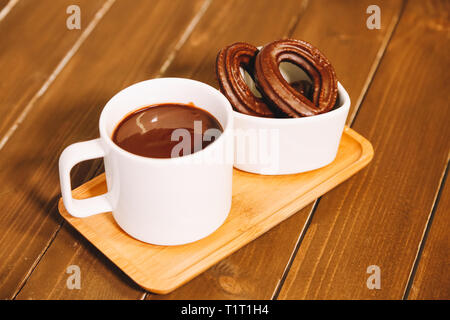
[210, 148]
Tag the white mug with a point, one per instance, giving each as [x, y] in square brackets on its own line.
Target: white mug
[160, 201]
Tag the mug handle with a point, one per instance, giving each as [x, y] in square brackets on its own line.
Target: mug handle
[72, 155]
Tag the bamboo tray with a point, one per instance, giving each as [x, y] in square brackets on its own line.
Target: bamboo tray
[259, 203]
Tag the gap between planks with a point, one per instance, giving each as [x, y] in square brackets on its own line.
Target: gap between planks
[46, 247]
[72, 51]
[4, 12]
[184, 37]
[61, 65]
[426, 231]
[371, 75]
[376, 63]
[38, 259]
[99, 15]
[59, 68]
[294, 252]
[297, 19]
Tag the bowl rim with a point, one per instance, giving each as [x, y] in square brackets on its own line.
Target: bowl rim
[344, 107]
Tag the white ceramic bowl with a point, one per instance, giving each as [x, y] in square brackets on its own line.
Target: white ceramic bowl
[293, 145]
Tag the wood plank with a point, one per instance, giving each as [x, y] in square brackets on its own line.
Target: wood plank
[378, 217]
[33, 40]
[432, 280]
[246, 274]
[118, 53]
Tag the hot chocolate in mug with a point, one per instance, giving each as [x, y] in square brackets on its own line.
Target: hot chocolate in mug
[169, 201]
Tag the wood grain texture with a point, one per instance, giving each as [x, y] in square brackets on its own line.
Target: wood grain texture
[33, 40]
[3, 3]
[432, 280]
[378, 217]
[118, 53]
[342, 35]
[339, 245]
[226, 22]
[99, 278]
[161, 269]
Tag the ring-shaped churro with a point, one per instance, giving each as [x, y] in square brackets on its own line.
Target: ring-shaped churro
[278, 91]
[229, 62]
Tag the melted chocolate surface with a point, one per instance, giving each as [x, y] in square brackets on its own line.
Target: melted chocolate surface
[152, 131]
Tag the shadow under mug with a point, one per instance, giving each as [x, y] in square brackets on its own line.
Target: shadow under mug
[160, 201]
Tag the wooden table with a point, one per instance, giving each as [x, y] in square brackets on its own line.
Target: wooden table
[394, 214]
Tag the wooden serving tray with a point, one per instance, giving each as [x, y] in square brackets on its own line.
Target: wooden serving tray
[259, 203]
